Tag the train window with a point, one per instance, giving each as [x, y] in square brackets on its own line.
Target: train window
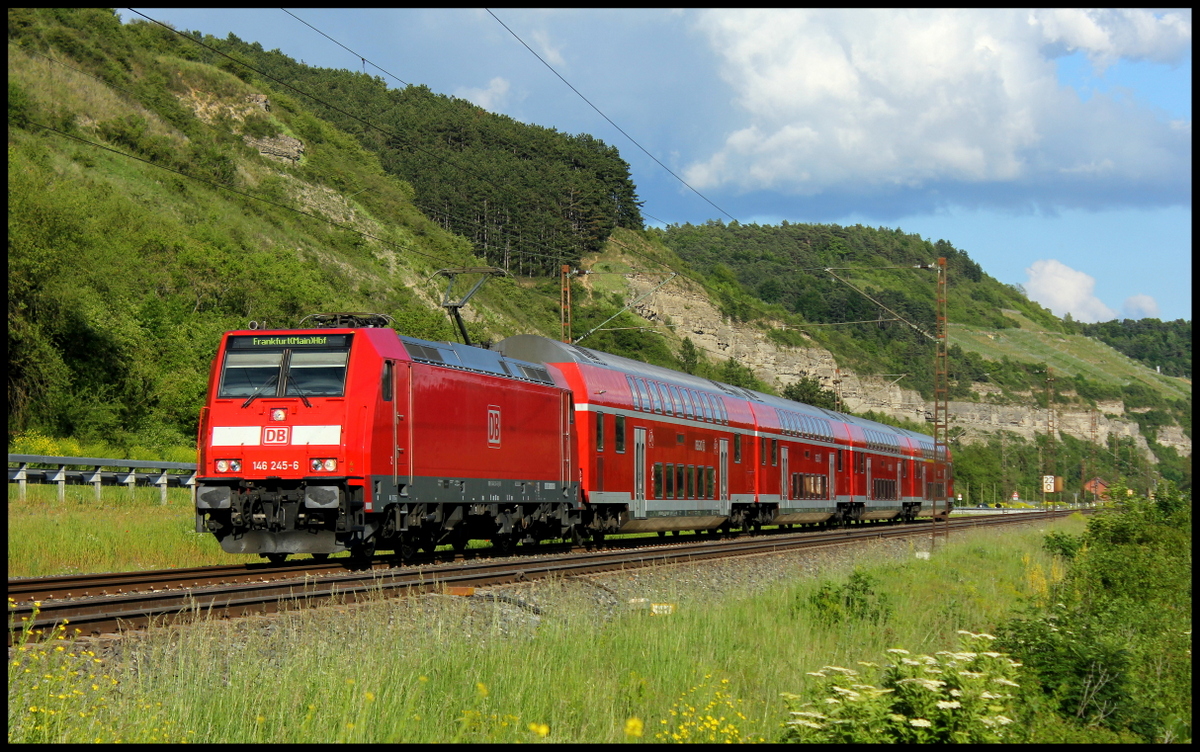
[619, 433]
[316, 374]
[666, 399]
[697, 481]
[774, 452]
[839, 460]
[680, 473]
[658, 486]
[721, 409]
[903, 468]
[643, 394]
[676, 400]
[687, 403]
[249, 373]
[655, 404]
[709, 485]
[599, 432]
[385, 384]
[737, 448]
[670, 481]
[689, 480]
[762, 449]
[634, 399]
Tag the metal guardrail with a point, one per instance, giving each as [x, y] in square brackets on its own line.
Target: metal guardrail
[130, 473]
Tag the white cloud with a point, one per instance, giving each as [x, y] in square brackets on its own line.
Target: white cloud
[552, 55]
[1140, 307]
[869, 101]
[494, 97]
[1065, 290]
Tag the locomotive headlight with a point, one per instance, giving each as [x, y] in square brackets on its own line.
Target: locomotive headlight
[279, 413]
[222, 466]
[319, 464]
[331, 465]
[235, 465]
[316, 464]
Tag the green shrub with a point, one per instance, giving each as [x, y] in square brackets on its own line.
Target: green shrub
[856, 600]
[960, 697]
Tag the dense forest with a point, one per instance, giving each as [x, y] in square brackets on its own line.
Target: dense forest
[1158, 344]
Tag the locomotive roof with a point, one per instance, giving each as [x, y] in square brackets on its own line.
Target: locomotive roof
[542, 350]
[472, 358]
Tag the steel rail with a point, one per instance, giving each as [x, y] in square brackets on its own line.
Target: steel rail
[103, 613]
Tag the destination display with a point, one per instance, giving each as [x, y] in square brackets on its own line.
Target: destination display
[256, 341]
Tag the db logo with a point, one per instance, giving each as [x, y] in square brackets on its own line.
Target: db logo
[493, 426]
[276, 434]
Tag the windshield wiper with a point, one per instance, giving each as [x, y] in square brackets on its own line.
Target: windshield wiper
[299, 391]
[252, 397]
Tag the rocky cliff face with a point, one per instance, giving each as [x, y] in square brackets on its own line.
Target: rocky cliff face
[688, 310]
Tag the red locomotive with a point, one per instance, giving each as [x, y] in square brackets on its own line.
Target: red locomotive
[348, 436]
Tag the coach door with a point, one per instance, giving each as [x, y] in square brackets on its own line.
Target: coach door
[723, 507]
[783, 474]
[639, 472]
[566, 415]
[832, 484]
[869, 491]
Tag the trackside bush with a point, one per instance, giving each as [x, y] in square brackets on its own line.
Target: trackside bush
[951, 697]
[1109, 650]
[856, 600]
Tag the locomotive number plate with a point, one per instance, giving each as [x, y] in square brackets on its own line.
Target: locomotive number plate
[276, 465]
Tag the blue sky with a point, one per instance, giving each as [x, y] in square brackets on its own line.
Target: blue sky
[1053, 146]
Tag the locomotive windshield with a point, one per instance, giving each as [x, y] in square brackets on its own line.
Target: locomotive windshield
[285, 366]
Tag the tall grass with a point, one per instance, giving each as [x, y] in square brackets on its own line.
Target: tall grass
[123, 532]
[587, 669]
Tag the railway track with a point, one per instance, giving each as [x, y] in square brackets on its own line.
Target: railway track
[102, 603]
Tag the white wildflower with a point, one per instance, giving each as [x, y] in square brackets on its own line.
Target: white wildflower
[815, 673]
[920, 723]
[910, 662]
[898, 651]
[1002, 720]
[1005, 682]
[985, 636]
[965, 632]
[991, 654]
[955, 693]
[846, 671]
[970, 674]
[806, 714]
[802, 722]
[948, 704]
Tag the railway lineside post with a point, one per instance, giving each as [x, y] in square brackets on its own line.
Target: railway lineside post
[941, 410]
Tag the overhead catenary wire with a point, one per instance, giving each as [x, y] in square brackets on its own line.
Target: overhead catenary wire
[606, 117]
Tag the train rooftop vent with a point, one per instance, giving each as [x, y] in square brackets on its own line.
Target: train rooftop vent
[422, 352]
[581, 352]
[535, 373]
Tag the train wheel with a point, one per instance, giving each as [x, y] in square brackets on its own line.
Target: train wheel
[277, 558]
[505, 544]
[363, 550]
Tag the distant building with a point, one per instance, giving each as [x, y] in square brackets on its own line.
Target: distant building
[1097, 486]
